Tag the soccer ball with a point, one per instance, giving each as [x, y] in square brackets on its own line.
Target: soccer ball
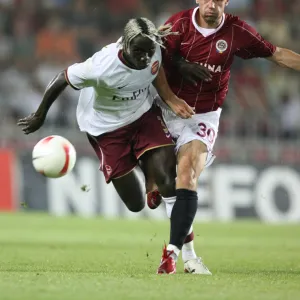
[53, 156]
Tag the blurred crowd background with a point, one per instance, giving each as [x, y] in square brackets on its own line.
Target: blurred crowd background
[41, 37]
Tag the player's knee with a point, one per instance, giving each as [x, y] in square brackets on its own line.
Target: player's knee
[166, 180]
[187, 176]
[189, 169]
[136, 207]
[187, 179]
[150, 186]
[167, 185]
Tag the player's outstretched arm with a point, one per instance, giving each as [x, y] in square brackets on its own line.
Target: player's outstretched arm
[286, 58]
[178, 106]
[35, 121]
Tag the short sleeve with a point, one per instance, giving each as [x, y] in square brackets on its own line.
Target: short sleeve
[250, 43]
[94, 71]
[81, 75]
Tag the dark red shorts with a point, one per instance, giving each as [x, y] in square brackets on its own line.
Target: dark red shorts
[119, 150]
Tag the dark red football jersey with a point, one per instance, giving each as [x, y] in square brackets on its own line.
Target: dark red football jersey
[215, 50]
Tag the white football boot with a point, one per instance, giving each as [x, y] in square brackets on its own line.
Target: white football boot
[196, 266]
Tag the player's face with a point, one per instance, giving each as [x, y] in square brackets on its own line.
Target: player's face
[212, 10]
[142, 50]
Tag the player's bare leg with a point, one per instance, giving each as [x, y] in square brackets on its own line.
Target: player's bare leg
[131, 189]
[191, 162]
[153, 195]
[160, 163]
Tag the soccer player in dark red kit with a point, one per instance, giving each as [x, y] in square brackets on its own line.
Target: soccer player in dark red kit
[208, 39]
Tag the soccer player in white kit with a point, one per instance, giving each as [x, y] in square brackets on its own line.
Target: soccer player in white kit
[116, 111]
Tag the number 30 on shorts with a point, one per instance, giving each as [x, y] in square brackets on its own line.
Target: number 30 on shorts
[206, 132]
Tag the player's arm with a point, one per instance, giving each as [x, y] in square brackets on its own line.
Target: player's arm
[77, 76]
[252, 45]
[178, 106]
[286, 58]
[34, 121]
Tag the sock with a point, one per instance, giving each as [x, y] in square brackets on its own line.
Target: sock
[182, 216]
[188, 251]
[190, 235]
[175, 250]
[169, 205]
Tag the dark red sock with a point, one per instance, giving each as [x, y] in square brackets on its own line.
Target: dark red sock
[189, 238]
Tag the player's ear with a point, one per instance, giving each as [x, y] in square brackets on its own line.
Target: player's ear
[227, 2]
[197, 1]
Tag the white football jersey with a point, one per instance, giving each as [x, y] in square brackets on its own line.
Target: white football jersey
[112, 94]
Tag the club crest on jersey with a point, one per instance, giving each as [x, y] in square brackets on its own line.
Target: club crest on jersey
[154, 68]
[221, 46]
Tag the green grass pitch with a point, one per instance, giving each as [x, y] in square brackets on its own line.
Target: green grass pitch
[43, 257]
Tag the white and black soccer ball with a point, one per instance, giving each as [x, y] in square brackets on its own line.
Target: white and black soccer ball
[54, 156]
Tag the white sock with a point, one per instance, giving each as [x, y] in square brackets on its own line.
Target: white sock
[188, 251]
[169, 205]
[175, 250]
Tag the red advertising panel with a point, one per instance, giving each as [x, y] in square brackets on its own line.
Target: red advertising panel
[7, 192]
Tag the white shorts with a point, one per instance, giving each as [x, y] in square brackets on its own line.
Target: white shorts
[203, 127]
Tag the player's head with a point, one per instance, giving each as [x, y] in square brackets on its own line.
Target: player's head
[212, 10]
[140, 39]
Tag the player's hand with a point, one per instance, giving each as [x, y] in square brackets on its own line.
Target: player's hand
[193, 73]
[180, 107]
[31, 123]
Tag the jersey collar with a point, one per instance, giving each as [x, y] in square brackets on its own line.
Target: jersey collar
[206, 31]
